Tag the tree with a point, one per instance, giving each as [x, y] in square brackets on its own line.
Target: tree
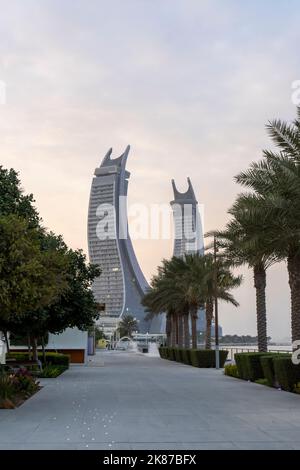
[75, 306]
[246, 240]
[29, 278]
[127, 326]
[183, 286]
[202, 290]
[275, 182]
[168, 294]
[12, 199]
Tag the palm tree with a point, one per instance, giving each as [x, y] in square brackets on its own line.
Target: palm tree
[183, 286]
[128, 325]
[245, 241]
[201, 276]
[167, 295]
[276, 184]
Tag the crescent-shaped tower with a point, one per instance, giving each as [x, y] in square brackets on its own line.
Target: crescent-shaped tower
[121, 284]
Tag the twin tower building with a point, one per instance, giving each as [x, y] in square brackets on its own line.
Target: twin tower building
[122, 285]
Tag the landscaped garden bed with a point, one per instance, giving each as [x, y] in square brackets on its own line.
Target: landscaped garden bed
[201, 358]
[16, 387]
[19, 378]
[273, 370]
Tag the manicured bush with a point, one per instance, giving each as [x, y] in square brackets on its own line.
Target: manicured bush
[171, 354]
[242, 367]
[231, 370]
[205, 358]
[177, 355]
[249, 365]
[51, 371]
[185, 356]
[56, 359]
[287, 374]
[268, 369]
[51, 357]
[262, 382]
[163, 352]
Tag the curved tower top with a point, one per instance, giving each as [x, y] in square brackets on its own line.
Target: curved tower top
[122, 284]
[189, 195]
[187, 222]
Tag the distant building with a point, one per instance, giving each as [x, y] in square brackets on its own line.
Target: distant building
[122, 284]
[189, 234]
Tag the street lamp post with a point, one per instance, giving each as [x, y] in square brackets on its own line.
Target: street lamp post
[216, 305]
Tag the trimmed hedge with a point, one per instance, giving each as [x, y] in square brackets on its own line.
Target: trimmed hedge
[287, 374]
[55, 359]
[171, 354]
[267, 366]
[249, 365]
[206, 358]
[257, 365]
[185, 354]
[195, 357]
[241, 366]
[231, 370]
[163, 352]
[178, 355]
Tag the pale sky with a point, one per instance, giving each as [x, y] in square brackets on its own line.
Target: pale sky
[189, 84]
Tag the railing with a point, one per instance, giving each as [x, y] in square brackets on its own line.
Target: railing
[235, 350]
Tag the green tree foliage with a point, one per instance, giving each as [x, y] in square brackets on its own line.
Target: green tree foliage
[183, 286]
[12, 199]
[275, 185]
[30, 278]
[128, 326]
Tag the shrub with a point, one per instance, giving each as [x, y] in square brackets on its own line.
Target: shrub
[249, 365]
[206, 358]
[185, 354]
[163, 352]
[51, 371]
[287, 374]
[297, 388]
[268, 369]
[57, 359]
[25, 383]
[51, 357]
[7, 388]
[231, 370]
[171, 354]
[177, 355]
[242, 367]
[262, 382]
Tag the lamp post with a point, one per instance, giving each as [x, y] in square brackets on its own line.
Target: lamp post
[216, 305]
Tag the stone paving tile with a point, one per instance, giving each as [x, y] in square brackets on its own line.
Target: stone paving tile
[134, 402]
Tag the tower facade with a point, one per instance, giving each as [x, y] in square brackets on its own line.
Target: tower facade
[189, 237]
[188, 232]
[121, 284]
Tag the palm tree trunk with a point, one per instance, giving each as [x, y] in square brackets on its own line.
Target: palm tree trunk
[173, 331]
[209, 316]
[186, 328]
[261, 315]
[194, 317]
[294, 282]
[168, 329]
[180, 331]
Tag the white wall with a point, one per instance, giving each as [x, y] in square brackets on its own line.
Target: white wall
[71, 338]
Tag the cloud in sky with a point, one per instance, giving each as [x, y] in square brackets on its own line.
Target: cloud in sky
[189, 84]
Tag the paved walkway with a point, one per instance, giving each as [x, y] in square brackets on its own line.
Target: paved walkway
[134, 402]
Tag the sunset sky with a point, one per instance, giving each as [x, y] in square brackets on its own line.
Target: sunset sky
[189, 84]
